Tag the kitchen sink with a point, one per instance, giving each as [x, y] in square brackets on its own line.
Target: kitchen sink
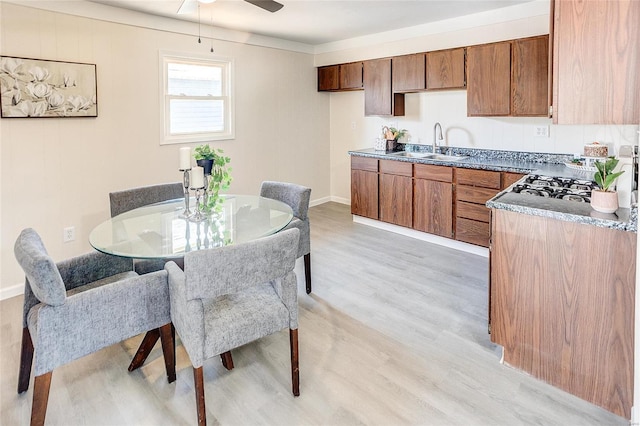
[429, 155]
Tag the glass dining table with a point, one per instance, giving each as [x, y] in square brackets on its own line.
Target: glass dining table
[161, 231]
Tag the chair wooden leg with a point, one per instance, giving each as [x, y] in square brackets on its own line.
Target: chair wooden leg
[307, 271]
[198, 380]
[26, 360]
[227, 360]
[144, 350]
[168, 341]
[295, 369]
[41, 386]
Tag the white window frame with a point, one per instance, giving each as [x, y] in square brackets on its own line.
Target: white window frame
[226, 64]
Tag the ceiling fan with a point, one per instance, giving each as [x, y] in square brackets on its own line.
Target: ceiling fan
[190, 6]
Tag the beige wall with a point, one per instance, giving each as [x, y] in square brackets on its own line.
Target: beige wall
[58, 172]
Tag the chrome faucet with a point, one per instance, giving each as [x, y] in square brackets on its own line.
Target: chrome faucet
[437, 128]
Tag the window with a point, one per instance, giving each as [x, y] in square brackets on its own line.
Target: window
[197, 99]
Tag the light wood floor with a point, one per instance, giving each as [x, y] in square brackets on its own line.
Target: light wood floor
[394, 333]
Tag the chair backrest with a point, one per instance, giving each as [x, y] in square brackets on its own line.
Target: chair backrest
[129, 199]
[296, 196]
[42, 274]
[225, 270]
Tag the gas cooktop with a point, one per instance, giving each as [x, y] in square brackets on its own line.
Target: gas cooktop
[556, 187]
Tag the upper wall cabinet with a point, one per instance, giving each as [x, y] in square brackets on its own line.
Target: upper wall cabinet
[446, 69]
[508, 78]
[408, 73]
[341, 77]
[488, 79]
[378, 97]
[596, 62]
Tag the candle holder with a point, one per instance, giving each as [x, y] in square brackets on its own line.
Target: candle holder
[198, 216]
[185, 181]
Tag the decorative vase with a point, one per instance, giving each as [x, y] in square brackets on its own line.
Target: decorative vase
[604, 201]
[206, 165]
[392, 145]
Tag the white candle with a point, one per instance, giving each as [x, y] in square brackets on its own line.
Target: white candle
[197, 177]
[185, 158]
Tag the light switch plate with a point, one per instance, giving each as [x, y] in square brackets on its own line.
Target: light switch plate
[541, 131]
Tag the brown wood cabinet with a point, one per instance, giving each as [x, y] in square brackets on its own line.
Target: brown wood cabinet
[529, 76]
[396, 192]
[562, 305]
[446, 69]
[596, 62]
[508, 78]
[328, 78]
[378, 96]
[342, 77]
[408, 72]
[473, 189]
[488, 79]
[433, 199]
[364, 187]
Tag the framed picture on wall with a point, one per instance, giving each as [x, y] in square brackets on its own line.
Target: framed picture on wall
[47, 89]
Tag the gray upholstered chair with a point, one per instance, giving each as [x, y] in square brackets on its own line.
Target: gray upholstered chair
[229, 296]
[129, 199]
[297, 197]
[81, 305]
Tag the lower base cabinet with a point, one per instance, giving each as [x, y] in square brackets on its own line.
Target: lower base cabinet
[561, 303]
[433, 199]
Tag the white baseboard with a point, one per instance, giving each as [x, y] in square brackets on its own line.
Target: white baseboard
[11, 291]
[341, 200]
[446, 242]
[319, 201]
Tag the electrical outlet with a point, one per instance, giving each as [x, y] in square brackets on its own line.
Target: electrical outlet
[69, 234]
[353, 125]
[541, 132]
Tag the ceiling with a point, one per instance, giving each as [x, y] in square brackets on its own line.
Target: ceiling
[317, 22]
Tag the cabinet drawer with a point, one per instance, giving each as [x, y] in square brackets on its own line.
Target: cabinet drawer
[482, 178]
[474, 195]
[427, 171]
[472, 231]
[364, 163]
[509, 178]
[399, 168]
[473, 211]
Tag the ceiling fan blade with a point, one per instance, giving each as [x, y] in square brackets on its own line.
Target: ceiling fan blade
[188, 6]
[268, 5]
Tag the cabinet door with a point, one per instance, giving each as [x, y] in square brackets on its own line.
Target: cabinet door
[408, 73]
[529, 76]
[445, 69]
[364, 193]
[488, 79]
[396, 199]
[432, 207]
[328, 78]
[378, 98]
[351, 76]
[596, 62]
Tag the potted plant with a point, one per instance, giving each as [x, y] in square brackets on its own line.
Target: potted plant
[391, 134]
[204, 156]
[605, 199]
[219, 174]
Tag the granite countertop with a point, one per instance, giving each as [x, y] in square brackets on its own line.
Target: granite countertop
[625, 219]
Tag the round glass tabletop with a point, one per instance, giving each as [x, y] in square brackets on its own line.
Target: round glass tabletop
[160, 231]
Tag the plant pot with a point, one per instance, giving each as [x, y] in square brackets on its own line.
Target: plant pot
[392, 145]
[604, 201]
[206, 164]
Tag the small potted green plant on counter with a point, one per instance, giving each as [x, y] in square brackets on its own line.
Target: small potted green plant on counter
[219, 174]
[605, 199]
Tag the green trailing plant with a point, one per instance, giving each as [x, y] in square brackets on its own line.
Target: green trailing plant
[220, 178]
[605, 176]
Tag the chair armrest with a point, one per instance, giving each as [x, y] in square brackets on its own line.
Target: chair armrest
[91, 267]
[187, 315]
[93, 319]
[287, 290]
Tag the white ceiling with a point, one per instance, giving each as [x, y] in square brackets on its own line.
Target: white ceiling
[317, 22]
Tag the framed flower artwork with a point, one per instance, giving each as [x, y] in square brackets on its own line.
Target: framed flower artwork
[44, 88]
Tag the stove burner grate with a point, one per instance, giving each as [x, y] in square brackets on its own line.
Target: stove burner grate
[556, 187]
